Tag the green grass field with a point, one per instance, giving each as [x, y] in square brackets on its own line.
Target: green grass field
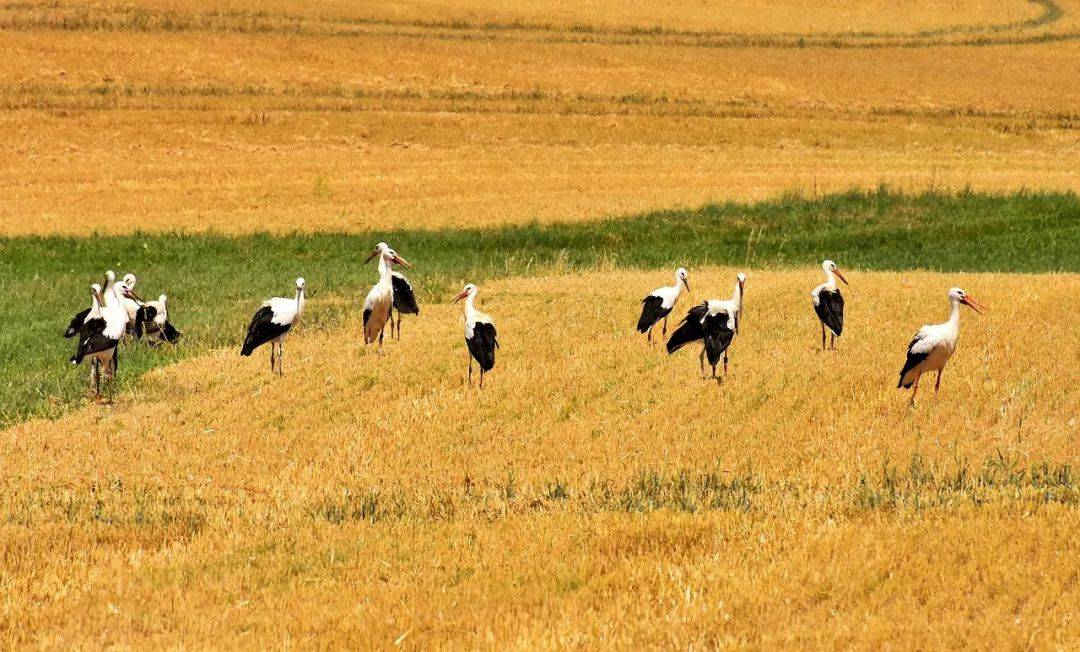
[216, 282]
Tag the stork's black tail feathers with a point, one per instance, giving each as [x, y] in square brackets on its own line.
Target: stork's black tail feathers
[717, 337]
[404, 298]
[76, 323]
[169, 333]
[143, 315]
[652, 311]
[690, 330]
[913, 360]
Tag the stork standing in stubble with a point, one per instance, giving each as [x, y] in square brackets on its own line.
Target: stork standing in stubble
[829, 303]
[272, 322]
[101, 332]
[404, 297]
[659, 303]
[934, 344]
[480, 334]
[715, 322]
[380, 300]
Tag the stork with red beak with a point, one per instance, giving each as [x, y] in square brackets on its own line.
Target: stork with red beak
[934, 344]
[480, 334]
[380, 300]
[829, 303]
[404, 296]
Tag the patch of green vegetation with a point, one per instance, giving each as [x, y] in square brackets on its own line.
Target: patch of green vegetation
[216, 282]
[923, 485]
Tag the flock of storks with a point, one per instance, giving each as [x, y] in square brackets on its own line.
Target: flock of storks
[117, 313]
[716, 322]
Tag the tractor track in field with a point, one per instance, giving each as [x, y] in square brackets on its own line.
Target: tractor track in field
[23, 16]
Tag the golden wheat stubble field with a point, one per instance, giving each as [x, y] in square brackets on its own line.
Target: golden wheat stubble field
[377, 499]
[335, 116]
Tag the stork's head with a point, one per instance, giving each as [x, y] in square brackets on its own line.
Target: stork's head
[957, 295]
[380, 248]
[830, 266]
[121, 289]
[130, 280]
[682, 275]
[741, 280]
[468, 291]
[162, 299]
[110, 278]
[95, 291]
[299, 285]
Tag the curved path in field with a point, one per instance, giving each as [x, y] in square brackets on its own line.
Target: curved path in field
[23, 16]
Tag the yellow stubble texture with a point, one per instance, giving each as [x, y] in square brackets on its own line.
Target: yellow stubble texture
[376, 497]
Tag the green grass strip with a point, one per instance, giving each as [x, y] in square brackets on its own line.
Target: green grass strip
[215, 282]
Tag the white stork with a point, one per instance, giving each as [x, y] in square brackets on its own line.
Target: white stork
[934, 344]
[480, 334]
[714, 321]
[829, 303]
[404, 297]
[659, 303]
[152, 320]
[100, 334]
[272, 322]
[380, 300]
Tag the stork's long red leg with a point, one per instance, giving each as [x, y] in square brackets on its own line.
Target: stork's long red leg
[937, 383]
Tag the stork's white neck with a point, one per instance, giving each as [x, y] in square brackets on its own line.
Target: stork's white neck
[114, 304]
[299, 301]
[954, 313]
[385, 270]
[470, 304]
[830, 278]
[678, 287]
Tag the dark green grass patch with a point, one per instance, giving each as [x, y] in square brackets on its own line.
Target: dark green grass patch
[215, 282]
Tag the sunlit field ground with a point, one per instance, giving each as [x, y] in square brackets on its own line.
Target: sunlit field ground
[339, 117]
[596, 492]
[566, 156]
